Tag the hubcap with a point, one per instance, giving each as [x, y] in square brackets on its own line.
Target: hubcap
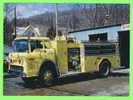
[48, 77]
[104, 69]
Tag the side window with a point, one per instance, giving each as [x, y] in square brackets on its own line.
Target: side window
[35, 44]
[38, 43]
[98, 37]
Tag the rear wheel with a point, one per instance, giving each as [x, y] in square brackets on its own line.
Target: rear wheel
[104, 68]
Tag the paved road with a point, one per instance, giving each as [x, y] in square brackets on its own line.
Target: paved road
[88, 84]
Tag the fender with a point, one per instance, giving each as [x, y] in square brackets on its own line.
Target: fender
[50, 61]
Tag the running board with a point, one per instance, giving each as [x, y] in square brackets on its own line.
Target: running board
[65, 74]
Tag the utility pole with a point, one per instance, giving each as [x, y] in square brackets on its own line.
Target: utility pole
[56, 19]
[15, 22]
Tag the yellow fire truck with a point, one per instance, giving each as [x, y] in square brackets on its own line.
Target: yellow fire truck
[47, 60]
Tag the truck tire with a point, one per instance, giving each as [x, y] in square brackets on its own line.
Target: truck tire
[104, 68]
[47, 77]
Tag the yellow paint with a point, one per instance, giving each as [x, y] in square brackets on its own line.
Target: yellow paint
[91, 63]
[56, 51]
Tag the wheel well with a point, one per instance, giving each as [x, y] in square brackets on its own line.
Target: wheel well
[48, 64]
[107, 61]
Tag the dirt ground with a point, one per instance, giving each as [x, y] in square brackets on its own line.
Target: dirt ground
[88, 84]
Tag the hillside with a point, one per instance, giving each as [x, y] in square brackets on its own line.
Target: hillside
[80, 17]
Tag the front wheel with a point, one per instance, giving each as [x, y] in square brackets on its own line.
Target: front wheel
[48, 77]
[104, 68]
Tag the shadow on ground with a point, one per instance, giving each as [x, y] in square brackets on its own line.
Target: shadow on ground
[73, 79]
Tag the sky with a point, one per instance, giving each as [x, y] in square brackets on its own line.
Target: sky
[27, 10]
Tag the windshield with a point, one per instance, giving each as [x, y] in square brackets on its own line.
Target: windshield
[20, 45]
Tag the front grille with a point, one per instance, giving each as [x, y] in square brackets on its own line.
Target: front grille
[17, 69]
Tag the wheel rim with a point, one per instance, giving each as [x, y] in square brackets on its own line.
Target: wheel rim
[48, 77]
[104, 70]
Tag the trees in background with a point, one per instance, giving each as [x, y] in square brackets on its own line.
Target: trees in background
[79, 16]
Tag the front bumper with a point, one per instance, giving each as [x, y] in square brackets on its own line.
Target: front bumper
[18, 70]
